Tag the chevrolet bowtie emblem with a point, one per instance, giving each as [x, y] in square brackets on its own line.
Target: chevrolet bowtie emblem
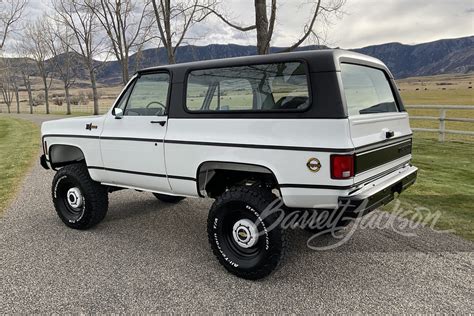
[90, 126]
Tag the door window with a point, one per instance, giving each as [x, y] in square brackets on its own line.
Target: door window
[149, 96]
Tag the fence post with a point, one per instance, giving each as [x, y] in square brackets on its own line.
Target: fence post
[442, 124]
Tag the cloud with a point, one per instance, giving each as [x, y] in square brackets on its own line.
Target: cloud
[408, 21]
[365, 22]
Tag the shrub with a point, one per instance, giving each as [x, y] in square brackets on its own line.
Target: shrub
[58, 100]
[80, 99]
[38, 99]
[90, 95]
[74, 100]
[57, 95]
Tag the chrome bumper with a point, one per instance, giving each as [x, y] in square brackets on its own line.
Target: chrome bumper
[379, 192]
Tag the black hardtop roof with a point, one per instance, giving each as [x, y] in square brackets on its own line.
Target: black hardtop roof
[325, 60]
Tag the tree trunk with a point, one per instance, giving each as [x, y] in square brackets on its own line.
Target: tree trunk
[30, 96]
[17, 97]
[171, 57]
[9, 104]
[68, 102]
[94, 92]
[125, 75]
[169, 40]
[170, 52]
[46, 94]
[261, 21]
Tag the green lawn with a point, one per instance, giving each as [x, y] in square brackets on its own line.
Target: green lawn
[445, 183]
[19, 141]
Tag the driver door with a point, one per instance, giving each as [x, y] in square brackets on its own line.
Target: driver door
[131, 142]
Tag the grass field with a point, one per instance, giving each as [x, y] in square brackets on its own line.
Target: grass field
[445, 184]
[19, 141]
[442, 89]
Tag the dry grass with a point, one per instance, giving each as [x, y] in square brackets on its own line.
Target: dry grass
[442, 89]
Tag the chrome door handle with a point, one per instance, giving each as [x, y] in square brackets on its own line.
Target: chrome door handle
[162, 123]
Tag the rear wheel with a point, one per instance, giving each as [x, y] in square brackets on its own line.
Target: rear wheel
[80, 202]
[242, 240]
[168, 198]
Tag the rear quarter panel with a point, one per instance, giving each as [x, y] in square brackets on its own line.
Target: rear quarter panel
[248, 141]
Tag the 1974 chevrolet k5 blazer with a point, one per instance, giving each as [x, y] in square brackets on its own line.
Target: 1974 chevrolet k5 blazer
[310, 129]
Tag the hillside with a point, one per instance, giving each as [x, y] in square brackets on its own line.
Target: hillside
[433, 58]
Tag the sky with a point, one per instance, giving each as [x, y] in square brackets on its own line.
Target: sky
[362, 23]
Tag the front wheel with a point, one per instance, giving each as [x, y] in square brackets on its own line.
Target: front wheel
[244, 240]
[80, 202]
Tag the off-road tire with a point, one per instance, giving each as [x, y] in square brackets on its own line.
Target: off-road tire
[168, 198]
[94, 195]
[270, 248]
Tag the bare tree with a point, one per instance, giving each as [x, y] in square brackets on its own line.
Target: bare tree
[25, 75]
[25, 69]
[264, 26]
[35, 46]
[59, 41]
[17, 98]
[175, 19]
[128, 27]
[10, 12]
[79, 17]
[7, 83]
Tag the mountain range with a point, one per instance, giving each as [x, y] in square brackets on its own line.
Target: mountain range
[433, 58]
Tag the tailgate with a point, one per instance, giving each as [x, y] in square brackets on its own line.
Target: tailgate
[379, 127]
[383, 143]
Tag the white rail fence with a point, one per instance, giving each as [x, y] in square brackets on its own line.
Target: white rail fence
[442, 118]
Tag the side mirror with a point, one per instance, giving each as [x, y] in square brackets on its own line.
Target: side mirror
[118, 112]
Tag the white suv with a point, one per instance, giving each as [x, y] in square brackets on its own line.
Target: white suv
[309, 129]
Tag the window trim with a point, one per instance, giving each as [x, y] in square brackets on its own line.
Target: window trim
[230, 112]
[123, 93]
[389, 81]
[131, 86]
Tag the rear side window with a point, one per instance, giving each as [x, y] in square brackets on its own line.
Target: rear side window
[367, 90]
[266, 87]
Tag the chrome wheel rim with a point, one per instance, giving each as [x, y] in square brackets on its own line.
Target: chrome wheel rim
[74, 198]
[245, 233]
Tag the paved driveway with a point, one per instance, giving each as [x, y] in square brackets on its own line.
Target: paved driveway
[147, 256]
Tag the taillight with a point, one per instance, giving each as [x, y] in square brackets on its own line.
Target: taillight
[45, 148]
[342, 166]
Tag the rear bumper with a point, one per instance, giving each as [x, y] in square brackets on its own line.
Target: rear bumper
[379, 192]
